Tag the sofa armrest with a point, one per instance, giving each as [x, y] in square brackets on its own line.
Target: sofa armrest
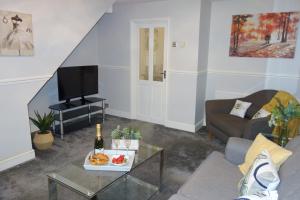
[236, 150]
[255, 126]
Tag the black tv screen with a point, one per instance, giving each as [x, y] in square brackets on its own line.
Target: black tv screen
[77, 81]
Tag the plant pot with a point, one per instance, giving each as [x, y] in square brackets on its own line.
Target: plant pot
[133, 144]
[43, 141]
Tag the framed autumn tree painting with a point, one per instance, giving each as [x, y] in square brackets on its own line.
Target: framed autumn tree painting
[267, 35]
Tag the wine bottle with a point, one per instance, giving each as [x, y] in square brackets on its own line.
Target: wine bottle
[99, 143]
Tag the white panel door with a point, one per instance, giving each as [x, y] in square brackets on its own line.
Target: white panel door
[151, 73]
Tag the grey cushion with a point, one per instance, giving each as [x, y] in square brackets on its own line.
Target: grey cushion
[236, 149]
[225, 121]
[289, 173]
[214, 179]
[178, 197]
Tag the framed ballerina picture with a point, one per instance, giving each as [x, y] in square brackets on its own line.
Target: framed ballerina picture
[16, 38]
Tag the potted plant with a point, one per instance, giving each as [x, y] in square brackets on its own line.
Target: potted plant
[126, 138]
[281, 117]
[43, 138]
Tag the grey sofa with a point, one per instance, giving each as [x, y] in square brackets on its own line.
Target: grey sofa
[218, 176]
[223, 125]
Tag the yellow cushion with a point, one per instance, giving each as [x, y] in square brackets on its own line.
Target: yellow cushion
[278, 154]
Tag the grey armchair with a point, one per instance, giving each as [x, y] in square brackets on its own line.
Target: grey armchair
[223, 125]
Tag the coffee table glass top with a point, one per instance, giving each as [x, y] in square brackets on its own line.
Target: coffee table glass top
[88, 183]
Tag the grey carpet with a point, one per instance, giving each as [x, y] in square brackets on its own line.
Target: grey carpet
[183, 154]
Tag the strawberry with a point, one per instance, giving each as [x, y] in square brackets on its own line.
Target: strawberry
[119, 160]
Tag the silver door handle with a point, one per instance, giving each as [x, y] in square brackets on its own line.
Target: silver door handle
[165, 74]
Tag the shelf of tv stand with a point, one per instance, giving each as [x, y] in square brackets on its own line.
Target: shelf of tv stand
[77, 112]
[77, 124]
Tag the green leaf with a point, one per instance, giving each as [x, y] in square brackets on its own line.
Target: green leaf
[43, 123]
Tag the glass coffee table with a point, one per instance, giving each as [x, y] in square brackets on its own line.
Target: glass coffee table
[108, 184]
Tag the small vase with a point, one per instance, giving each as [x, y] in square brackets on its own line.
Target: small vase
[283, 135]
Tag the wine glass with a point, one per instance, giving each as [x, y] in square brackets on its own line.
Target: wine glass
[116, 143]
[127, 144]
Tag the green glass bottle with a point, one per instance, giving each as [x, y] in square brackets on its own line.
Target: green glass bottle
[99, 143]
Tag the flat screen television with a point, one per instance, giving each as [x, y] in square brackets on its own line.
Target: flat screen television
[77, 81]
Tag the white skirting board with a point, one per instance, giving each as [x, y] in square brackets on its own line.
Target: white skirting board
[16, 160]
[185, 127]
[171, 124]
[118, 113]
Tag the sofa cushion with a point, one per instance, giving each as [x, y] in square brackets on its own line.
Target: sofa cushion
[261, 176]
[278, 154]
[258, 99]
[263, 195]
[224, 122]
[251, 111]
[214, 178]
[240, 108]
[289, 173]
[177, 197]
[261, 114]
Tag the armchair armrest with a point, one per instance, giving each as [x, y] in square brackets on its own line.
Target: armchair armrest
[220, 105]
[255, 126]
[236, 150]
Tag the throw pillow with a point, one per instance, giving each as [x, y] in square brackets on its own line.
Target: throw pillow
[278, 154]
[262, 176]
[261, 113]
[265, 195]
[240, 108]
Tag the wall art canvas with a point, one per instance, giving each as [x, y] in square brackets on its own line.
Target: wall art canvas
[16, 38]
[266, 35]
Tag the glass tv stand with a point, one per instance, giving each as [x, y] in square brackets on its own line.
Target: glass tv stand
[77, 114]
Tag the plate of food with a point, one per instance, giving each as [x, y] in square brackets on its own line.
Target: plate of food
[108, 160]
[119, 160]
[98, 159]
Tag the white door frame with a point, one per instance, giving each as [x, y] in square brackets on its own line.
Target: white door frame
[134, 24]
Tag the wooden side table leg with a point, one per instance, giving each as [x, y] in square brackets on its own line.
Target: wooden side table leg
[210, 135]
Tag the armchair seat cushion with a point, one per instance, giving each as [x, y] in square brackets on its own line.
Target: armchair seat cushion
[230, 124]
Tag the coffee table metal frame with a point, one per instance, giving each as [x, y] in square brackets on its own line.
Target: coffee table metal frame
[54, 179]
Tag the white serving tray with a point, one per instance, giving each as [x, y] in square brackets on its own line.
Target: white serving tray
[109, 166]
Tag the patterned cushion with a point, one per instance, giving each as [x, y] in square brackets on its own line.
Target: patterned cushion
[261, 176]
[240, 108]
[261, 113]
[265, 195]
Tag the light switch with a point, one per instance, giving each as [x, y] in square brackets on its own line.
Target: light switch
[174, 44]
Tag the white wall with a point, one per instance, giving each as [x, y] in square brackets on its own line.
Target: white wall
[114, 56]
[285, 73]
[230, 77]
[56, 34]
[205, 13]
[86, 53]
